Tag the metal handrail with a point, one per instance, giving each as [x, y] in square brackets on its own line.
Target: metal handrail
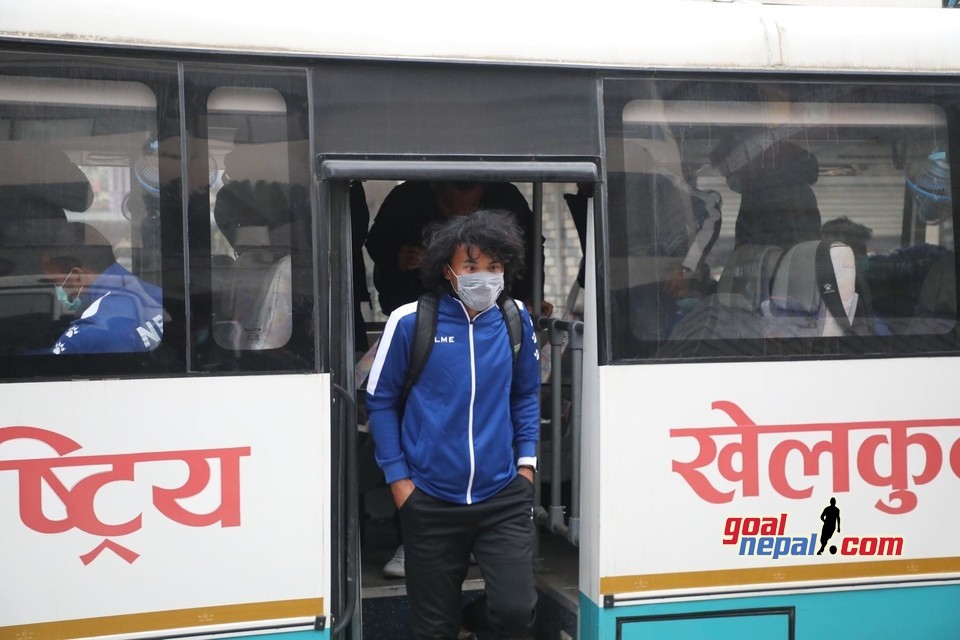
[554, 518]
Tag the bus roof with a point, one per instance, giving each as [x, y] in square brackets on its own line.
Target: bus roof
[674, 34]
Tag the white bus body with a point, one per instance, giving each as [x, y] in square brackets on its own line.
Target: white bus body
[704, 484]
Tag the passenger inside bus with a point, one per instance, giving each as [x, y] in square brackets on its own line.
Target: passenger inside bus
[118, 313]
[778, 210]
[38, 184]
[395, 241]
[771, 285]
[680, 234]
[777, 206]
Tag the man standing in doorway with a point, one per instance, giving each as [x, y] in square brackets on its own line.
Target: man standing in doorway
[459, 450]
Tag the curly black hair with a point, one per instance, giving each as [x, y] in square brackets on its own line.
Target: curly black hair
[495, 233]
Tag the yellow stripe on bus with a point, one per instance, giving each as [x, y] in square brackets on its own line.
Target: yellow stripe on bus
[777, 574]
[162, 620]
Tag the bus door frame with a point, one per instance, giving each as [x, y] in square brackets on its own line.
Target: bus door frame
[334, 173]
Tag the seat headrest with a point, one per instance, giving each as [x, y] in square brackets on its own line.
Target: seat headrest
[43, 175]
[270, 205]
[795, 288]
[252, 237]
[748, 272]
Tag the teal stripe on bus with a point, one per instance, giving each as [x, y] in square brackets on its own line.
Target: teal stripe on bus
[929, 612]
[291, 635]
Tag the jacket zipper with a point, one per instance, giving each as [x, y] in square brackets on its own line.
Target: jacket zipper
[473, 396]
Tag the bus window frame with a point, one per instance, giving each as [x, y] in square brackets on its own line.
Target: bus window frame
[452, 168]
[339, 169]
[301, 353]
[619, 90]
[160, 77]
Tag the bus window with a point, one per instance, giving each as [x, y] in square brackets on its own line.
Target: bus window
[79, 216]
[258, 247]
[759, 220]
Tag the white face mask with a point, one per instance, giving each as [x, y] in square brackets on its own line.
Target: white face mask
[70, 305]
[479, 291]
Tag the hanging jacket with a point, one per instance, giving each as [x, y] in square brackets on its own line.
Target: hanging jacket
[470, 417]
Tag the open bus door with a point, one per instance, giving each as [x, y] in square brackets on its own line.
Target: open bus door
[336, 172]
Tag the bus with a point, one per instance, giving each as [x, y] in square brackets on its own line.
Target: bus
[750, 426]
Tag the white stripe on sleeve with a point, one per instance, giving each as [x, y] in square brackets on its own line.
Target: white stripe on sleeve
[385, 339]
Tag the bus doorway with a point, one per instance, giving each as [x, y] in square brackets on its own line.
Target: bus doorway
[557, 212]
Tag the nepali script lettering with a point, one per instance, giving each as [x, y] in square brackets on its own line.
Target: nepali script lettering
[36, 474]
[887, 440]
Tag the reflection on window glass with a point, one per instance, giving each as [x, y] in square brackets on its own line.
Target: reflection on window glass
[253, 205]
[79, 221]
[757, 220]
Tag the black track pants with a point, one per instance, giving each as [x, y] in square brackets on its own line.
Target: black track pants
[438, 537]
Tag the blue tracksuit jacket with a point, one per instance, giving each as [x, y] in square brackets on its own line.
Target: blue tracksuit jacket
[470, 416]
[121, 314]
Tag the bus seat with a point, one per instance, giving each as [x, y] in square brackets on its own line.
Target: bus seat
[938, 295]
[254, 216]
[795, 306]
[258, 304]
[747, 275]
[273, 324]
[221, 274]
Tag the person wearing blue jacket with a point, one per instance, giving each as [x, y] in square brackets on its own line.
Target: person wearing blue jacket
[460, 452]
[117, 312]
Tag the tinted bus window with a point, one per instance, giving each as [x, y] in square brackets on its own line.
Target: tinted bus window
[253, 284]
[767, 220]
[80, 219]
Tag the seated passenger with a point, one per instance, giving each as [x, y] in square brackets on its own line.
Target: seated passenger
[778, 206]
[778, 211]
[395, 241]
[678, 236]
[118, 312]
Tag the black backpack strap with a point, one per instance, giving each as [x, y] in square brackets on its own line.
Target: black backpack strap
[425, 330]
[511, 317]
[827, 284]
